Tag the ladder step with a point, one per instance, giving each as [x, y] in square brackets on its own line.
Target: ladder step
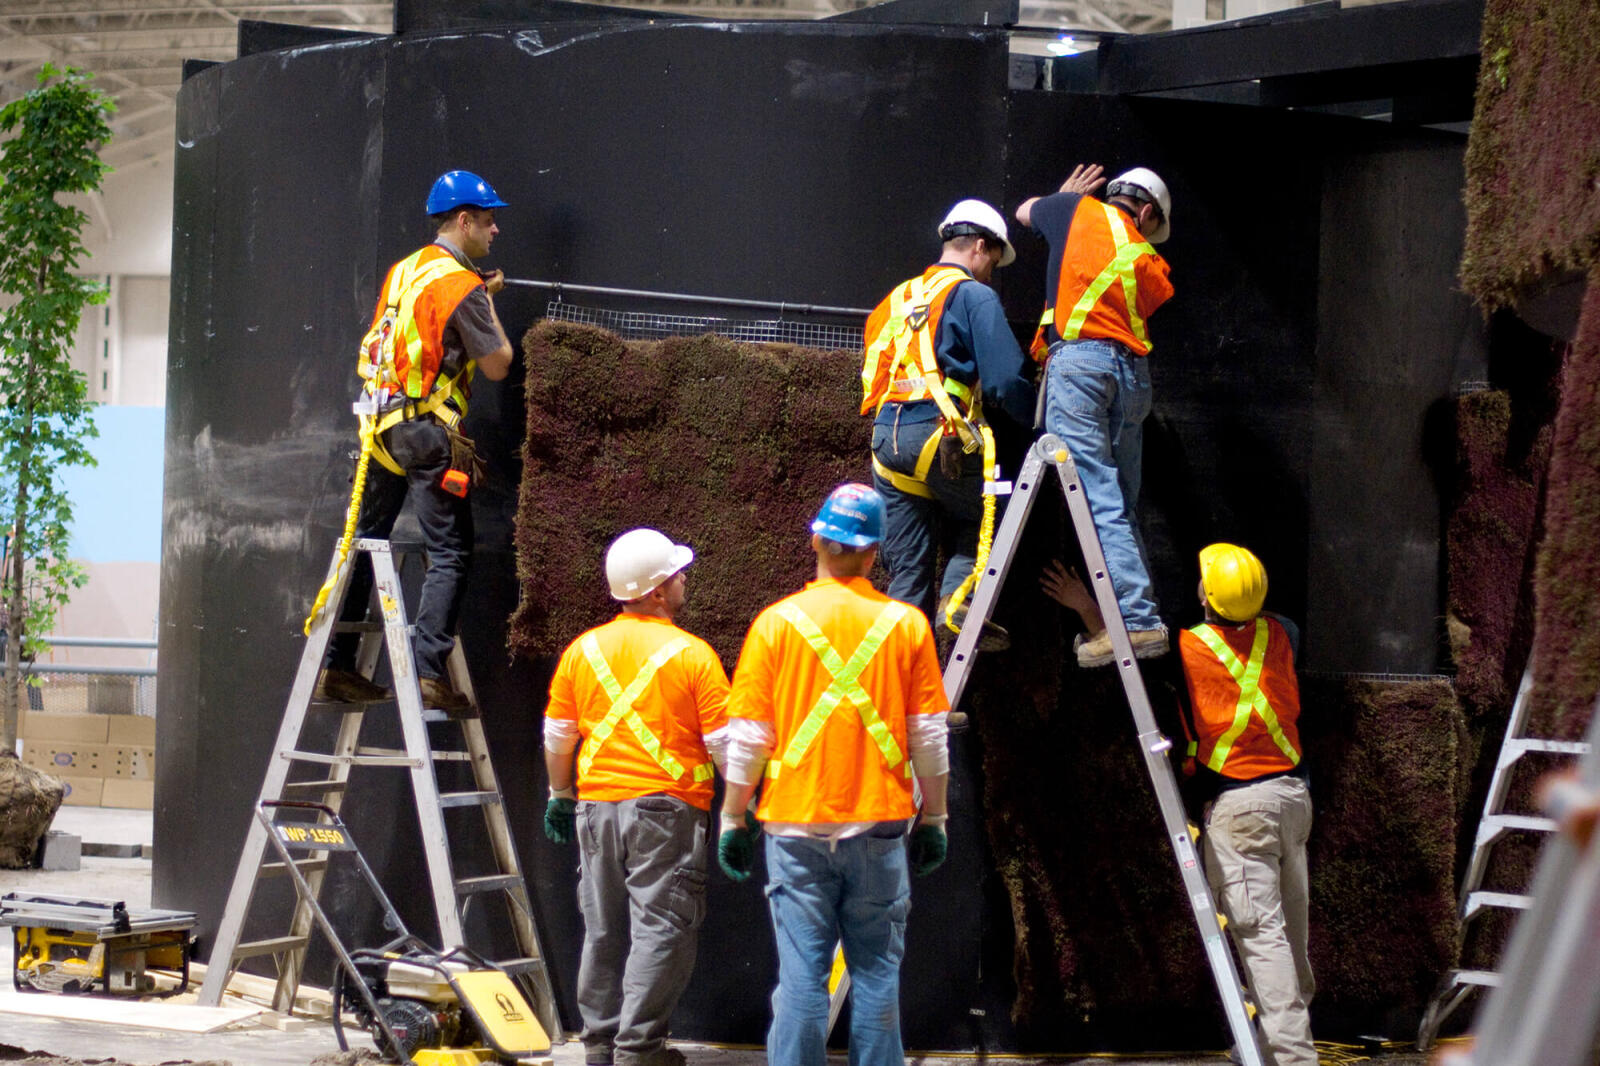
[362, 757]
[276, 946]
[305, 866]
[1552, 747]
[313, 790]
[358, 627]
[1495, 824]
[468, 799]
[1512, 901]
[493, 883]
[452, 756]
[517, 967]
[1482, 978]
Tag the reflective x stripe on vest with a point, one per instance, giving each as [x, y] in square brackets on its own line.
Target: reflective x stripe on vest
[911, 328]
[846, 686]
[1251, 701]
[1120, 267]
[622, 700]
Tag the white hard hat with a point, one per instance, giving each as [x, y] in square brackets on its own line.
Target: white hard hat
[977, 217]
[640, 560]
[1142, 183]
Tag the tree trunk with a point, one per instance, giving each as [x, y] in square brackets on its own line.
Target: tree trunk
[11, 709]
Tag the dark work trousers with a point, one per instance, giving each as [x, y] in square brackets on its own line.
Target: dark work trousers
[422, 448]
[642, 890]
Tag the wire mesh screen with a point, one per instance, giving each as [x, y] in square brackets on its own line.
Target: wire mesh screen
[642, 325]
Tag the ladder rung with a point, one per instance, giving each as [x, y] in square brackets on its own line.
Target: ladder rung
[1552, 747]
[1514, 901]
[276, 946]
[299, 790]
[1500, 823]
[493, 883]
[362, 757]
[340, 706]
[516, 967]
[452, 756]
[305, 866]
[358, 627]
[468, 799]
[1483, 978]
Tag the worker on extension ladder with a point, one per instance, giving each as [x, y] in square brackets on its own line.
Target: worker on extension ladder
[435, 322]
[937, 349]
[1248, 780]
[1103, 281]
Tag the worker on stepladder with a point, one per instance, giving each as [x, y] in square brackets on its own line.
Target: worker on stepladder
[1104, 279]
[648, 702]
[434, 324]
[1248, 780]
[938, 350]
[837, 702]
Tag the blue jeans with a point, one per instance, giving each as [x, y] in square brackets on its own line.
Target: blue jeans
[916, 527]
[858, 893]
[1096, 399]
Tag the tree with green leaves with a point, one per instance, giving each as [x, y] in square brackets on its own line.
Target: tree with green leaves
[51, 149]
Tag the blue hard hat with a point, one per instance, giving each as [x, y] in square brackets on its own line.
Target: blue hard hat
[852, 515]
[461, 188]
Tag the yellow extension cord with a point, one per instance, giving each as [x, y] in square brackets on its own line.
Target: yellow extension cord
[985, 531]
[351, 514]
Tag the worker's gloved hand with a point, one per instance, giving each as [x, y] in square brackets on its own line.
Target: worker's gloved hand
[929, 847]
[736, 847]
[560, 821]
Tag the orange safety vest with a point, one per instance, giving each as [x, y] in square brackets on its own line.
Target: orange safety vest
[404, 348]
[836, 668]
[1245, 698]
[1111, 280]
[901, 365]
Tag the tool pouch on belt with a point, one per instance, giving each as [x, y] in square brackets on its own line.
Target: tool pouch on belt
[951, 457]
[466, 469]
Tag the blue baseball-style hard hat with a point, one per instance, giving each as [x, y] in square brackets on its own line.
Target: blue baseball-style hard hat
[852, 515]
[461, 188]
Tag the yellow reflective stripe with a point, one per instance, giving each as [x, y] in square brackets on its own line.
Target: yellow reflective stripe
[917, 294]
[704, 771]
[406, 283]
[622, 700]
[1120, 268]
[846, 682]
[1251, 699]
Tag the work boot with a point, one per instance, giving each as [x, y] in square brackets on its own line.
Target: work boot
[956, 721]
[662, 1056]
[991, 638]
[598, 1053]
[437, 693]
[1096, 650]
[347, 686]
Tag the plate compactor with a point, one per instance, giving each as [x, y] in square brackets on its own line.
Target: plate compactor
[422, 1006]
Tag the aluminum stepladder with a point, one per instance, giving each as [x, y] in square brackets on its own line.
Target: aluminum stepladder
[451, 894]
[1492, 827]
[1546, 1009]
[1049, 451]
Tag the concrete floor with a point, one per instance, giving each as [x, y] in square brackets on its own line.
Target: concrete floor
[248, 1042]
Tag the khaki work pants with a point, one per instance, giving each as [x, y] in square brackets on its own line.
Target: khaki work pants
[1255, 851]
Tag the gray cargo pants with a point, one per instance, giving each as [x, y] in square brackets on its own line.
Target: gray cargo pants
[1255, 849]
[642, 891]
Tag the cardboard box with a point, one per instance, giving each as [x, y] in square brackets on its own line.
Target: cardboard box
[117, 792]
[65, 757]
[131, 729]
[74, 728]
[82, 791]
[130, 762]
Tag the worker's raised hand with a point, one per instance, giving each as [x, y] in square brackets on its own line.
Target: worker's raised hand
[560, 821]
[929, 847]
[1061, 584]
[1085, 178]
[494, 281]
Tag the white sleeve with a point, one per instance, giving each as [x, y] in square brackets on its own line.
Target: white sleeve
[926, 734]
[560, 735]
[716, 743]
[749, 744]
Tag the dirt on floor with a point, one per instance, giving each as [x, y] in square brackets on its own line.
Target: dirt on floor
[15, 1056]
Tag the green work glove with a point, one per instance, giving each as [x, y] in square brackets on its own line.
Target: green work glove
[736, 847]
[559, 819]
[929, 846]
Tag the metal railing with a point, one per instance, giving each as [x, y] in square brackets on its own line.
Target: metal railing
[92, 688]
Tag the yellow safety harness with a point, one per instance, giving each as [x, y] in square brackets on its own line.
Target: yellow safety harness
[908, 319]
[1119, 269]
[846, 685]
[622, 710]
[1251, 698]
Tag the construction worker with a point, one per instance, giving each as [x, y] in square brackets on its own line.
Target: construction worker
[934, 346]
[637, 716]
[837, 702]
[435, 323]
[1104, 280]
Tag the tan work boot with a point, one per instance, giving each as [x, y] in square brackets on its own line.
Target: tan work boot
[437, 693]
[347, 686]
[1097, 651]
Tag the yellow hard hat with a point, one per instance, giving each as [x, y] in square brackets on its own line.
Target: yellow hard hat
[1234, 580]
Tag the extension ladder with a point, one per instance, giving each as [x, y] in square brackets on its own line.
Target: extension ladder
[451, 893]
[1049, 451]
[1495, 824]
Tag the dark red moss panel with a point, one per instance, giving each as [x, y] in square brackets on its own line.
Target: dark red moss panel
[1566, 650]
[1534, 151]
